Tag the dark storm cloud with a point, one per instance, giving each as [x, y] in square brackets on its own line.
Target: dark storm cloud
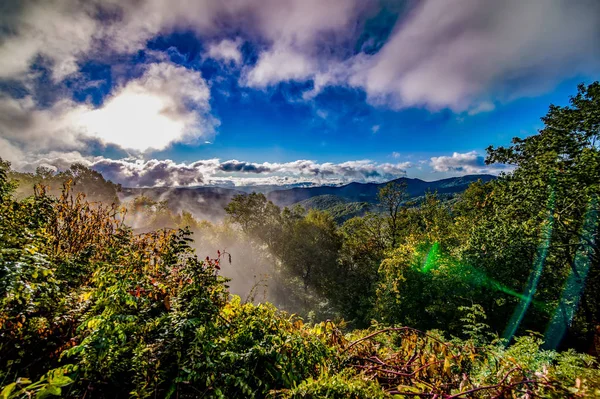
[237, 166]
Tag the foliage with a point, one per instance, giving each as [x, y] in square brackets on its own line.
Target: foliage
[524, 246]
[138, 314]
[546, 213]
[254, 349]
[345, 385]
[50, 384]
[491, 285]
[340, 209]
[83, 180]
[391, 197]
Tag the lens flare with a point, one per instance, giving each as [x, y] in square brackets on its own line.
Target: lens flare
[431, 258]
[575, 283]
[534, 277]
[474, 276]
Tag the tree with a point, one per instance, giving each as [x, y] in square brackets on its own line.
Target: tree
[363, 247]
[312, 249]
[391, 197]
[546, 212]
[83, 180]
[259, 219]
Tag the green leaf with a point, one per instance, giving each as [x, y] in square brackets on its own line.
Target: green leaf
[61, 381]
[49, 390]
[5, 394]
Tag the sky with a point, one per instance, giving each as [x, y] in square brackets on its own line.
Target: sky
[245, 92]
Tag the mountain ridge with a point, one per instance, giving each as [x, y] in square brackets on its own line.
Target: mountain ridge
[209, 202]
[367, 192]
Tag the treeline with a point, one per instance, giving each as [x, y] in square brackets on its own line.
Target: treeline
[91, 307]
[82, 180]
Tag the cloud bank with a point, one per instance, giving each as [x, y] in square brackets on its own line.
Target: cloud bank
[155, 173]
[238, 173]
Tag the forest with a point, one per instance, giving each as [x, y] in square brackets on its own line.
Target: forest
[490, 294]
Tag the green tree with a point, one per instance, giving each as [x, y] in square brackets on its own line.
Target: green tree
[391, 197]
[259, 218]
[364, 243]
[311, 248]
[545, 218]
[82, 179]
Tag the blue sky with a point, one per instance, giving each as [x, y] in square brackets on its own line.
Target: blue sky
[284, 91]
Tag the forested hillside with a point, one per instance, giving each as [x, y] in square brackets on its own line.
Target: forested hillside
[368, 192]
[491, 295]
[337, 207]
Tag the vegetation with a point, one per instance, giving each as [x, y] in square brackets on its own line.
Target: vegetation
[493, 294]
[337, 207]
[82, 179]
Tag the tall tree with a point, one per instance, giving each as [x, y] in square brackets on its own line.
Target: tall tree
[554, 190]
[391, 197]
[259, 218]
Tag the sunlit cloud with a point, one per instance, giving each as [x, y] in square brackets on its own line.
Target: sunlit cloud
[164, 106]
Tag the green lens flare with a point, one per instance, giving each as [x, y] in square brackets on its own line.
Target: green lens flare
[473, 276]
[431, 258]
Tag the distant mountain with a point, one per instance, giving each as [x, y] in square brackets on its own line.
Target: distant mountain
[267, 188]
[367, 192]
[343, 202]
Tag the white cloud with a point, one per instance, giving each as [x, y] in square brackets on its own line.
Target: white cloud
[321, 113]
[362, 170]
[303, 23]
[10, 153]
[143, 173]
[226, 50]
[66, 31]
[461, 54]
[465, 163]
[280, 65]
[458, 53]
[153, 172]
[62, 31]
[35, 130]
[375, 128]
[484, 106]
[166, 104]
